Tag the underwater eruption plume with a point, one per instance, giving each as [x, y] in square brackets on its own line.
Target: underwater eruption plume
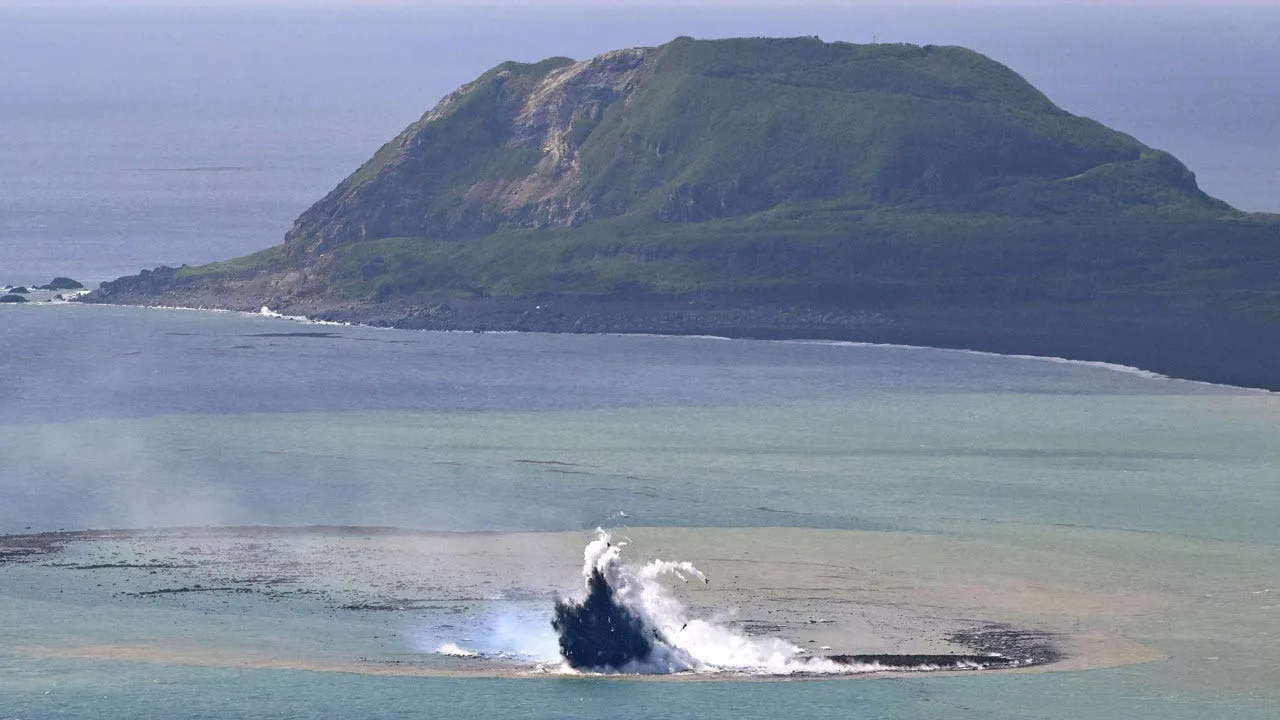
[626, 620]
[600, 633]
[630, 622]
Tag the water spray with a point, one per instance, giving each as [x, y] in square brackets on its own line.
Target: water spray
[630, 622]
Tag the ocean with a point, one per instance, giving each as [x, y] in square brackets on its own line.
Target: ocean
[861, 497]
[314, 512]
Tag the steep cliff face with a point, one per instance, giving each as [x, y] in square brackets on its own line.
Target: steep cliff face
[500, 152]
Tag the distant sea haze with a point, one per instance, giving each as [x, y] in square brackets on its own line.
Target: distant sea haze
[136, 137]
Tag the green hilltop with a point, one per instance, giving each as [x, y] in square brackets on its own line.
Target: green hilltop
[919, 186]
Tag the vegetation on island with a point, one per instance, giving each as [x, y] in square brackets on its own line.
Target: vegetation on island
[910, 182]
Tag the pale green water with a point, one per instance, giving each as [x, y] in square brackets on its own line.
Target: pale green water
[1200, 466]
[103, 690]
[1037, 473]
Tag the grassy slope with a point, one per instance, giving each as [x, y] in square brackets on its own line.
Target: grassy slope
[732, 127]
[832, 255]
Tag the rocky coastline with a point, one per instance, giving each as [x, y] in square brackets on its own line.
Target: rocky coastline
[57, 290]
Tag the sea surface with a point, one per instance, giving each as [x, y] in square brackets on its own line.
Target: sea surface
[1067, 475]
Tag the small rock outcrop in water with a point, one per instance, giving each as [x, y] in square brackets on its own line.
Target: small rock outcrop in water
[598, 632]
[62, 283]
[12, 299]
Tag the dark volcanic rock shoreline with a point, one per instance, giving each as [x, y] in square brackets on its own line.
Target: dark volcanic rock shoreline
[1188, 345]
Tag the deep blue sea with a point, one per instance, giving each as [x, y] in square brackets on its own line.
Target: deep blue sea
[1134, 516]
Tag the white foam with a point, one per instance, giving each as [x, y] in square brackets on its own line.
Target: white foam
[691, 644]
[453, 650]
[1113, 367]
[269, 313]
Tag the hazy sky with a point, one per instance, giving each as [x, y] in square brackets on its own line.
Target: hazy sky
[621, 3]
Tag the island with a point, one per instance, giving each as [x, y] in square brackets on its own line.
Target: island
[775, 188]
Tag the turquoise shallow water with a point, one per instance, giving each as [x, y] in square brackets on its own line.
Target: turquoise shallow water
[930, 461]
[141, 691]
[1038, 474]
